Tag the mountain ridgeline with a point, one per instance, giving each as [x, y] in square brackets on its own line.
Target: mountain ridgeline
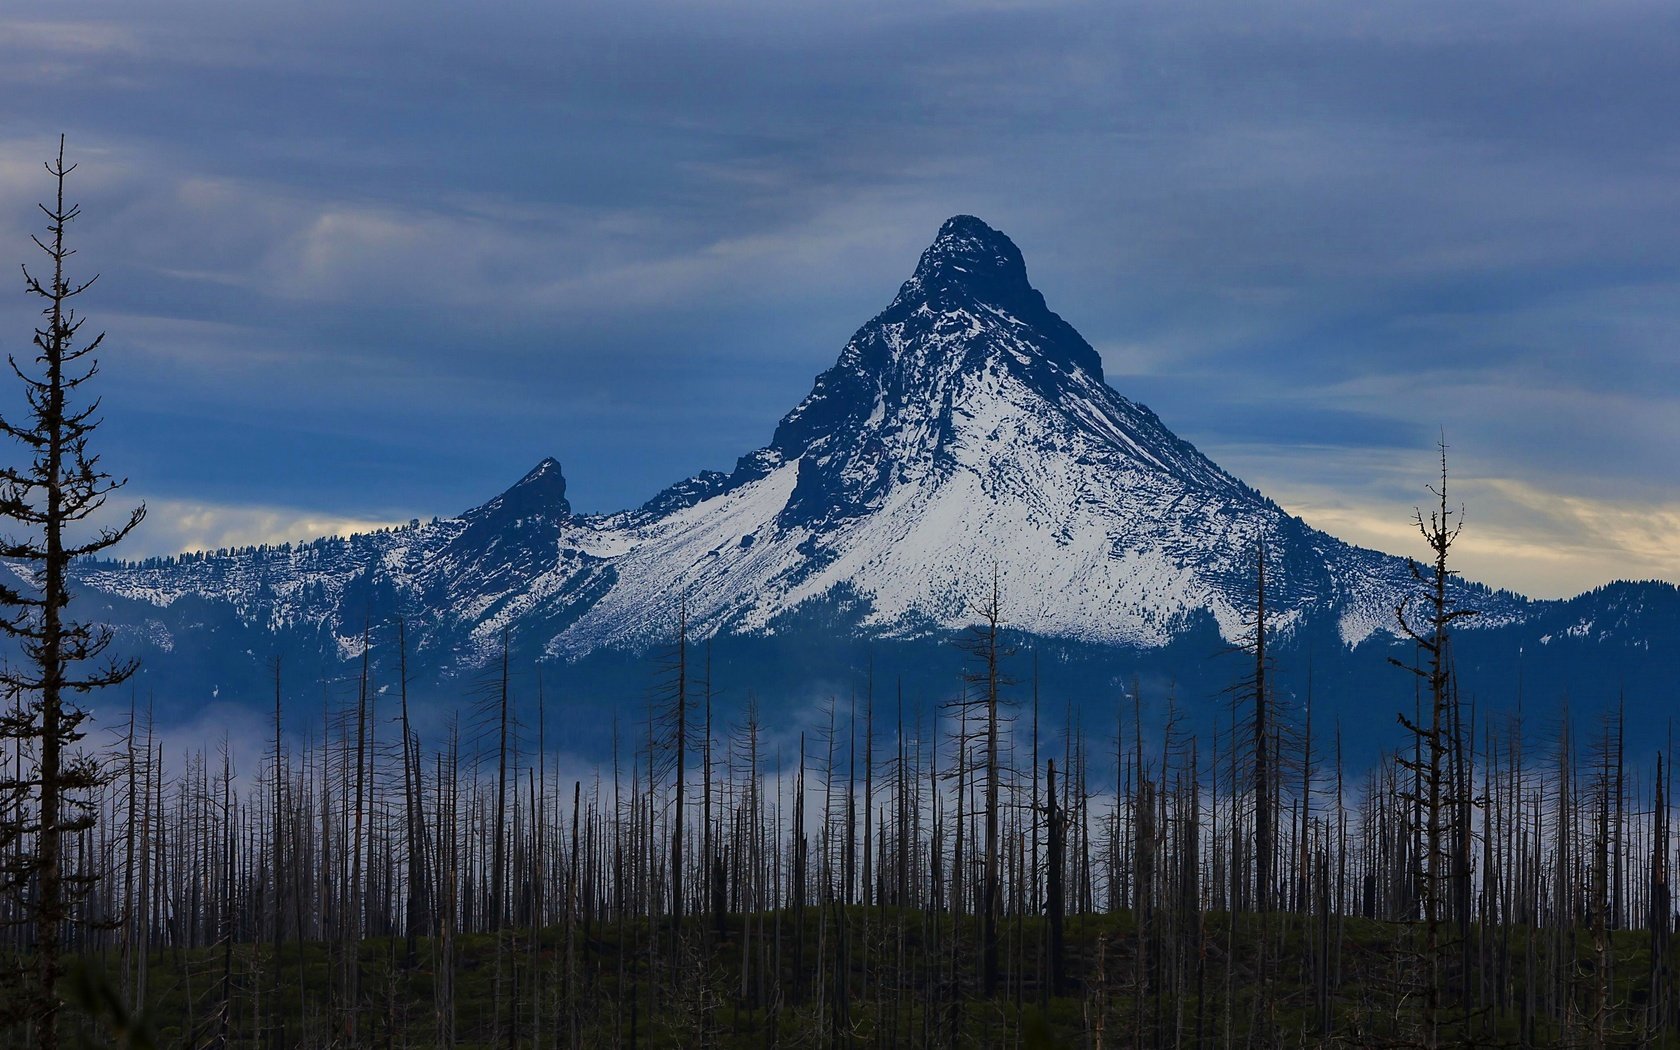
[965, 431]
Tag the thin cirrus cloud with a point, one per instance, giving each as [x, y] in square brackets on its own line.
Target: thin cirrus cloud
[1560, 544]
[367, 257]
[179, 526]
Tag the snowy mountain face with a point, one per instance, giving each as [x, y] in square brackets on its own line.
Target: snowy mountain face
[966, 430]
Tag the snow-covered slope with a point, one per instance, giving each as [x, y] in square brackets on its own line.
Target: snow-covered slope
[965, 430]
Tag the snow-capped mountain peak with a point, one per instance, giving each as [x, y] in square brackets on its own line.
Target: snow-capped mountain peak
[965, 429]
[967, 355]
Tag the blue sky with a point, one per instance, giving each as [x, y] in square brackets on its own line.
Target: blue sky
[371, 264]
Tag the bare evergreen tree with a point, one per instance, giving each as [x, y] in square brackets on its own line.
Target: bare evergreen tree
[1436, 794]
[47, 501]
[984, 645]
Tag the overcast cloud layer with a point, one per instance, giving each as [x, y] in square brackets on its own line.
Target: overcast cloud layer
[360, 266]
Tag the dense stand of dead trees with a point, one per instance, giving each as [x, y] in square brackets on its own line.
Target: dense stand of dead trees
[918, 882]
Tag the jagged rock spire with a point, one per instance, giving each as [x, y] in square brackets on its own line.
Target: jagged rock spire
[542, 491]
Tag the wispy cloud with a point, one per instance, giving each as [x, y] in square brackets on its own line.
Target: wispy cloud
[173, 526]
[1557, 543]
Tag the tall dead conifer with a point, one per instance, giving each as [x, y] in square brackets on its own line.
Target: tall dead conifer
[61, 486]
[984, 645]
[1435, 792]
